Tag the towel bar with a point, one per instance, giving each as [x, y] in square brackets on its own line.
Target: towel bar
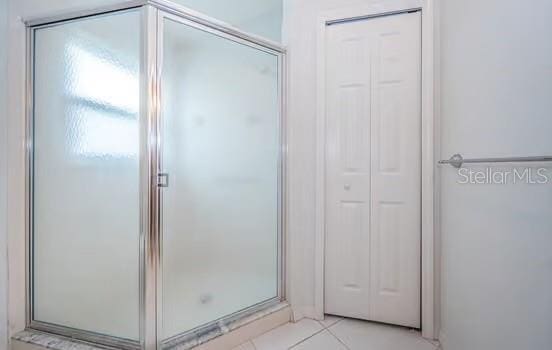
[457, 160]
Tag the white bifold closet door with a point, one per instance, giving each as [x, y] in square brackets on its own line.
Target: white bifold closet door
[373, 175]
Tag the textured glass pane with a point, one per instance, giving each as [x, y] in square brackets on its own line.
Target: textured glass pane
[220, 147]
[86, 175]
[260, 17]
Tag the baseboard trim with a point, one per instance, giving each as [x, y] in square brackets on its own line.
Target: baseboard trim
[304, 312]
[443, 341]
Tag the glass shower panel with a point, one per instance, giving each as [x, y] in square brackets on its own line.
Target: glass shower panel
[86, 217]
[220, 146]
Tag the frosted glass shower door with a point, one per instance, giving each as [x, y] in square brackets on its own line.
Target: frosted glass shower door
[220, 148]
[85, 208]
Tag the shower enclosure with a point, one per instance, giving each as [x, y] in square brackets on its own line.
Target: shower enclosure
[155, 175]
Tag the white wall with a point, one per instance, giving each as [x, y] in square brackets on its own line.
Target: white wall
[3, 175]
[496, 58]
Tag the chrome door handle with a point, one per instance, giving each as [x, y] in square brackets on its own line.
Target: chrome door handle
[163, 180]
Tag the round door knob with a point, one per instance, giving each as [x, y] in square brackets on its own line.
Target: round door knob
[347, 187]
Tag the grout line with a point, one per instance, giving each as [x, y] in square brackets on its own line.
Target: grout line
[336, 337]
[307, 338]
[270, 330]
[324, 327]
[333, 324]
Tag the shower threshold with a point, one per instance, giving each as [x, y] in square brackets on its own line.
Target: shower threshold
[224, 334]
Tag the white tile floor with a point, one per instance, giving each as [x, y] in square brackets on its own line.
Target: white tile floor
[335, 333]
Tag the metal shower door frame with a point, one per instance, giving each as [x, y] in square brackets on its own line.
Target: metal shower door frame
[153, 12]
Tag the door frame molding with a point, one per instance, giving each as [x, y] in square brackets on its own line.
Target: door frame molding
[430, 152]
